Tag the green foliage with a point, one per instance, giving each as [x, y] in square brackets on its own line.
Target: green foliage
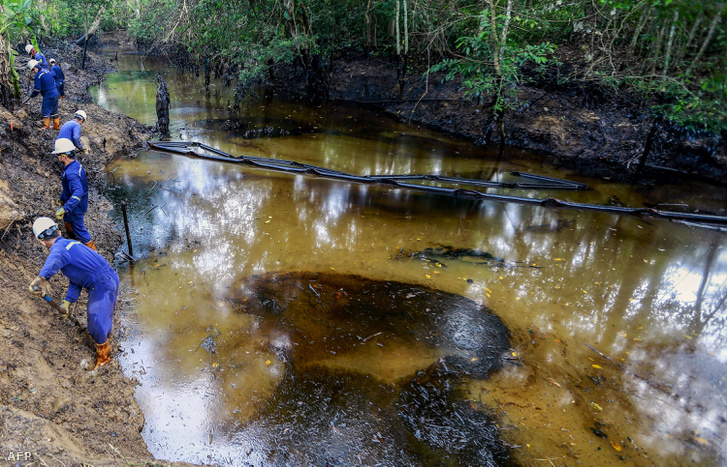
[478, 71]
[701, 109]
[16, 18]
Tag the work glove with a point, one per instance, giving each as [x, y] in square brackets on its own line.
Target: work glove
[59, 214]
[40, 287]
[66, 305]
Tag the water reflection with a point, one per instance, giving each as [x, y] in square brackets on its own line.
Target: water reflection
[647, 295]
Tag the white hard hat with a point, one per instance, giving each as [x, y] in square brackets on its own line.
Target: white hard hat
[80, 114]
[44, 227]
[28, 48]
[32, 64]
[64, 145]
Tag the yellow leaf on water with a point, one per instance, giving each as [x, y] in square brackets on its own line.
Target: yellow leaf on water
[596, 366]
[596, 406]
[427, 276]
[553, 382]
[501, 278]
[558, 259]
[215, 365]
[616, 446]
[702, 441]
[333, 269]
[688, 337]
[268, 362]
[514, 354]
[622, 334]
[637, 339]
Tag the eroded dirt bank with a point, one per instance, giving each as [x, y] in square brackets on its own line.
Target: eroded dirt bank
[52, 412]
[592, 129]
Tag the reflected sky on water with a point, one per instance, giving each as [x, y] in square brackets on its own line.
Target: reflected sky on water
[617, 323]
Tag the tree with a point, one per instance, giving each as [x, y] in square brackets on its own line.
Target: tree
[16, 17]
[490, 63]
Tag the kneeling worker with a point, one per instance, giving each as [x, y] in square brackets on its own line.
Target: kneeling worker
[85, 269]
[74, 196]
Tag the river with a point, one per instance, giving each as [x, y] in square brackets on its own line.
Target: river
[282, 319]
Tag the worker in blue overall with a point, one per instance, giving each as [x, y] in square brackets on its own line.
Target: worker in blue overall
[85, 269]
[58, 76]
[72, 129]
[45, 86]
[36, 55]
[74, 197]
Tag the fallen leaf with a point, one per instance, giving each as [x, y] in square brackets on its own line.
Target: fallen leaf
[553, 382]
[616, 446]
[596, 366]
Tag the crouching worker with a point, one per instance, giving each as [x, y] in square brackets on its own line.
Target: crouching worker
[85, 269]
[74, 196]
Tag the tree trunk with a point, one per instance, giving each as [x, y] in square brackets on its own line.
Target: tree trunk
[712, 28]
[162, 107]
[90, 32]
[647, 149]
[368, 28]
[669, 43]
[637, 32]
[5, 73]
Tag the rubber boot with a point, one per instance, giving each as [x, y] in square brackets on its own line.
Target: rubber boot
[103, 354]
[91, 245]
[57, 123]
[69, 231]
[46, 123]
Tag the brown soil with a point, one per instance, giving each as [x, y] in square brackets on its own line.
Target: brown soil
[53, 412]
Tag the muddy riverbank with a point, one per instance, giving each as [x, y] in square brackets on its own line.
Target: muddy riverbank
[53, 411]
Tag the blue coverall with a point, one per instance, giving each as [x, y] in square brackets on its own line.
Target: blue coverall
[75, 200]
[59, 77]
[41, 59]
[86, 269]
[71, 130]
[45, 86]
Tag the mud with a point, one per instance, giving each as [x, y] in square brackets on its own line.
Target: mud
[52, 412]
[597, 131]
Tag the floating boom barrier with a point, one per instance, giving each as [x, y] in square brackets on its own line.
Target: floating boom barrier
[402, 181]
